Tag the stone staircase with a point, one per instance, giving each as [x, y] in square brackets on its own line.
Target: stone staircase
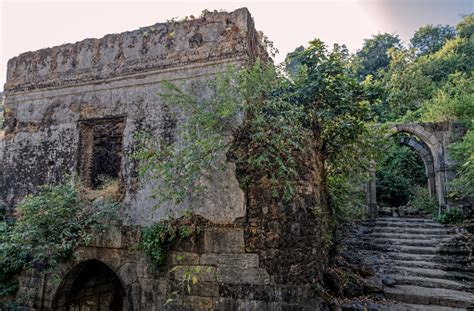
[419, 265]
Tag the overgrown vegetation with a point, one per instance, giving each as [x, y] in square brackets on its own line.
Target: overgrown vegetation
[451, 216]
[327, 94]
[281, 114]
[420, 199]
[181, 164]
[430, 81]
[400, 171]
[47, 228]
[156, 239]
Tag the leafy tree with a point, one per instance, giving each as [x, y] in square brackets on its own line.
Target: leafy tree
[333, 100]
[405, 86]
[429, 39]
[374, 54]
[322, 100]
[465, 28]
[338, 109]
[410, 85]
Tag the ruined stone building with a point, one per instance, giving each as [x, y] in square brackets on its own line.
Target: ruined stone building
[75, 108]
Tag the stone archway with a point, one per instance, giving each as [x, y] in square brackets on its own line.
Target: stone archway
[90, 285]
[430, 141]
[425, 134]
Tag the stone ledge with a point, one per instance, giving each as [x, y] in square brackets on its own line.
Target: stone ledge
[230, 260]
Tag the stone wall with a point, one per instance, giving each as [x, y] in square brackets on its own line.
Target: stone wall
[228, 277]
[256, 252]
[52, 93]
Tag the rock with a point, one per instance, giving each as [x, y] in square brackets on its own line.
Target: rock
[373, 284]
[388, 281]
[366, 270]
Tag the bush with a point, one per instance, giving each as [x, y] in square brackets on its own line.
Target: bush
[47, 228]
[422, 201]
[451, 216]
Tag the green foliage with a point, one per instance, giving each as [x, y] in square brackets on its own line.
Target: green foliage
[465, 28]
[421, 200]
[451, 216]
[451, 101]
[349, 171]
[434, 82]
[429, 39]
[463, 153]
[281, 117]
[273, 130]
[374, 55]
[183, 163]
[333, 101]
[405, 86]
[47, 229]
[399, 169]
[156, 239]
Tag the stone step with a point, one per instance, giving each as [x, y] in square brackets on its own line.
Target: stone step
[417, 264]
[413, 257]
[430, 296]
[406, 219]
[407, 242]
[410, 225]
[430, 282]
[461, 265]
[414, 307]
[413, 249]
[414, 231]
[406, 236]
[424, 272]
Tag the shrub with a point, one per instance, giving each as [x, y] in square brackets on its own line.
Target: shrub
[46, 229]
[158, 238]
[451, 216]
[422, 201]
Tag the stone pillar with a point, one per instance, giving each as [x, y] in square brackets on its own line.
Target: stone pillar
[431, 184]
[440, 188]
[371, 194]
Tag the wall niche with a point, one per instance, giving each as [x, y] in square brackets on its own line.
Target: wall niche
[100, 150]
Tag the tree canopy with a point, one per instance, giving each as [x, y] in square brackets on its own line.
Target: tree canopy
[429, 39]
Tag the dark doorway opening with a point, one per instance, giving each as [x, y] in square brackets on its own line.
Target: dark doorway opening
[91, 286]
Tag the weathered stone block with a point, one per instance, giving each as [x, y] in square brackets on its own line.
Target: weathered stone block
[224, 240]
[232, 275]
[201, 273]
[230, 260]
[198, 303]
[182, 258]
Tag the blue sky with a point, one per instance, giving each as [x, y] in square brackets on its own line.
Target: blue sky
[32, 25]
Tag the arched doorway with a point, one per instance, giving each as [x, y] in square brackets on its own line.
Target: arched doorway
[435, 148]
[93, 286]
[422, 138]
[424, 152]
